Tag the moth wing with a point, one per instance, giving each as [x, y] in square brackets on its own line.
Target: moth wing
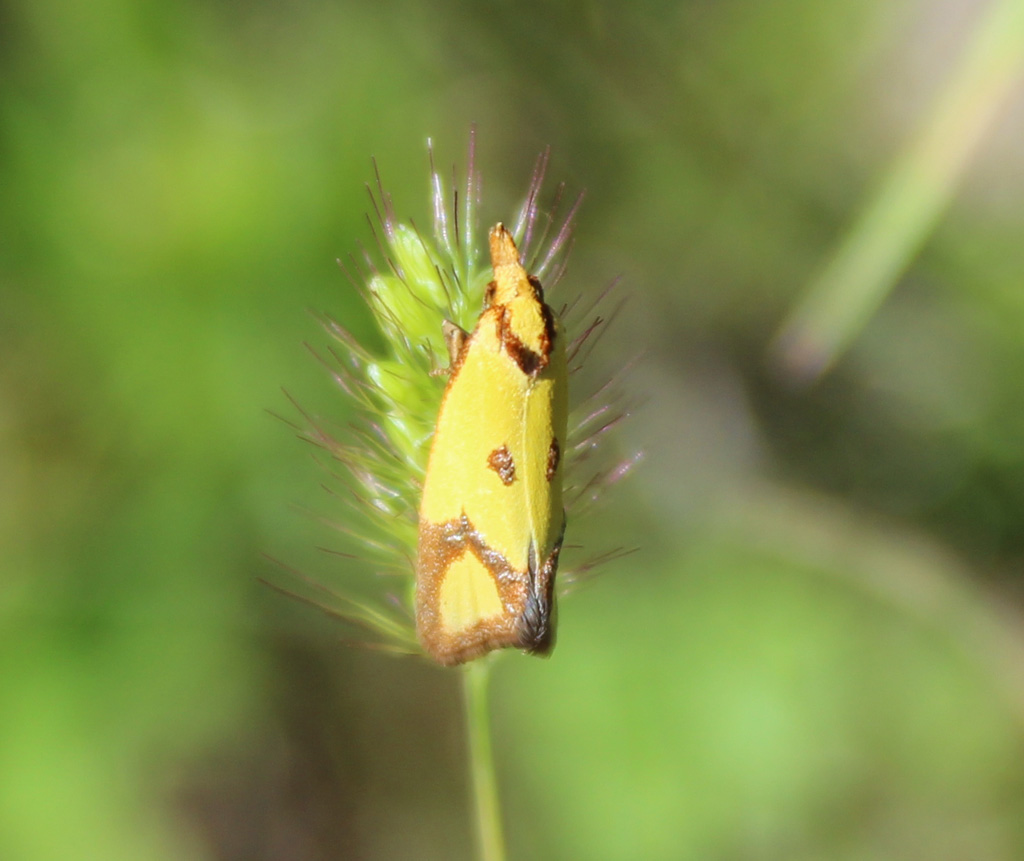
[468, 591]
[483, 412]
[491, 517]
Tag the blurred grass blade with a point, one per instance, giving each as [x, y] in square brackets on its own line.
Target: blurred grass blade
[911, 198]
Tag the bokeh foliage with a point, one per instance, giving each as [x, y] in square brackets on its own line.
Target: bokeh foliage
[817, 651]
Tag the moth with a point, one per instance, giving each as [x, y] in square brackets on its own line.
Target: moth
[491, 519]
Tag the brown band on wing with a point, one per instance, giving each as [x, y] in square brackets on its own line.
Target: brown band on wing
[440, 544]
[554, 458]
[500, 460]
[530, 363]
[549, 329]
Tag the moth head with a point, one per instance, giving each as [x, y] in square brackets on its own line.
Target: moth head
[511, 280]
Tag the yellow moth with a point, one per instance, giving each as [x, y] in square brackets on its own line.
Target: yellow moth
[491, 519]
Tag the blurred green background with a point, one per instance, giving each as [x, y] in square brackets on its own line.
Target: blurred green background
[817, 652]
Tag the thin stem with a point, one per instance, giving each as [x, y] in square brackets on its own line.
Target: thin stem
[490, 843]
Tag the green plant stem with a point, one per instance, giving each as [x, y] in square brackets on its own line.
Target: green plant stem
[490, 842]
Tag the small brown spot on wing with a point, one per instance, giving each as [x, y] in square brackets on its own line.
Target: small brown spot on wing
[554, 458]
[500, 460]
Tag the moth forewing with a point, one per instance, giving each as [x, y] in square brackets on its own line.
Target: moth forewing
[491, 517]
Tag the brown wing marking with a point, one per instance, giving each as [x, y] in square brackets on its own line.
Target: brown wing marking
[527, 597]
